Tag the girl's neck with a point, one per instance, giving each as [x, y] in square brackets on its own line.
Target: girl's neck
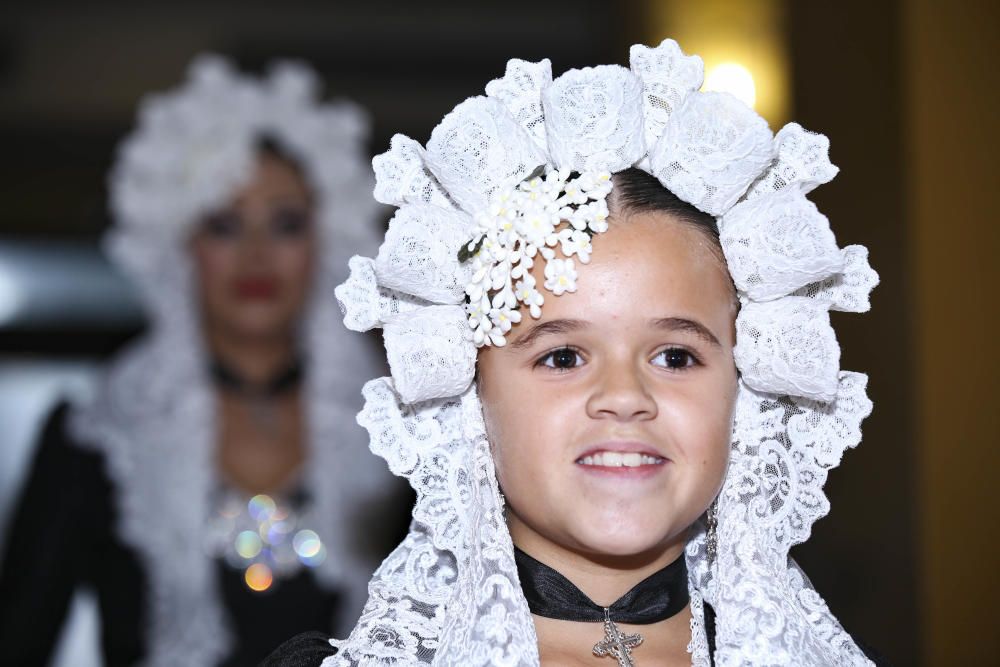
[602, 578]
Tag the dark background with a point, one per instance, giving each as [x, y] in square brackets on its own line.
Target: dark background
[906, 89]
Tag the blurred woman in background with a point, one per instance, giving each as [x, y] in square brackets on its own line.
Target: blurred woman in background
[181, 492]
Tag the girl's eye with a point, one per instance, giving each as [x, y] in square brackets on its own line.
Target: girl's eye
[224, 225]
[289, 223]
[562, 359]
[675, 358]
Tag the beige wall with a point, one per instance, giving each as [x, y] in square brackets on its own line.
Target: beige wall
[952, 107]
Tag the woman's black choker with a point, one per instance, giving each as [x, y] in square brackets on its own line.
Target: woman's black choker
[282, 382]
[656, 598]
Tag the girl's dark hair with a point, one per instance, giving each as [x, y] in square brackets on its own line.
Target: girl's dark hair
[635, 191]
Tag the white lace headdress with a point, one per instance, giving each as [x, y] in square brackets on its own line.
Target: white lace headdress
[449, 595]
[154, 415]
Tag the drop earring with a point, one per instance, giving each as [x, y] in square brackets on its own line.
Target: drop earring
[712, 523]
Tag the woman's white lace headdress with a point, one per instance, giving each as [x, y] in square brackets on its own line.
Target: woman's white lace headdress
[154, 415]
[449, 595]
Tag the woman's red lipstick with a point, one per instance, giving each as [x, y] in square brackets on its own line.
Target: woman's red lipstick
[256, 289]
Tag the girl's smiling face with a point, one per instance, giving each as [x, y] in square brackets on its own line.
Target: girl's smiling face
[610, 416]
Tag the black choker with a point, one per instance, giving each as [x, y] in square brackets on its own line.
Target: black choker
[656, 598]
[282, 382]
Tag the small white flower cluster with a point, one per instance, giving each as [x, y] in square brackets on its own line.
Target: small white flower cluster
[524, 222]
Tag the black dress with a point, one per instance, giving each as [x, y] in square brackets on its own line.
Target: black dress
[63, 537]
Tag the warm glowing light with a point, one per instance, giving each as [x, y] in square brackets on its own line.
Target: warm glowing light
[732, 78]
[258, 577]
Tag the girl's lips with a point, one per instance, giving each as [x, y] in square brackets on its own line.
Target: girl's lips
[256, 289]
[622, 447]
[622, 459]
[623, 473]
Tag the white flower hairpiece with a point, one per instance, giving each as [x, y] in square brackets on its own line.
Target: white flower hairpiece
[524, 222]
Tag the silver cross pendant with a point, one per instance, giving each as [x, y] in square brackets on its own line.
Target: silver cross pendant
[616, 643]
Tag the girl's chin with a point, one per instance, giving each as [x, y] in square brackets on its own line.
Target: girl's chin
[612, 537]
[639, 543]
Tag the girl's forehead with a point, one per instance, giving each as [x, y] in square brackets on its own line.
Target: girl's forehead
[644, 268]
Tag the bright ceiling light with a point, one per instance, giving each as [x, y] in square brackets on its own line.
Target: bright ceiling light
[732, 78]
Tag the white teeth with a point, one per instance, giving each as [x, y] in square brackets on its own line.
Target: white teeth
[619, 460]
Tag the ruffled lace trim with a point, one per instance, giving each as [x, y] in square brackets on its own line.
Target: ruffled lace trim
[449, 594]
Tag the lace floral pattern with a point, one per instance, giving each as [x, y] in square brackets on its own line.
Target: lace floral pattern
[154, 417]
[429, 352]
[449, 595]
[401, 177]
[788, 346]
[590, 108]
[803, 159]
[698, 647]
[795, 249]
[766, 612]
[711, 149]
[520, 92]
[477, 150]
[848, 290]
[365, 304]
[668, 76]
[421, 248]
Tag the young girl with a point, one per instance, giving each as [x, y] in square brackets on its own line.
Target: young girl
[614, 383]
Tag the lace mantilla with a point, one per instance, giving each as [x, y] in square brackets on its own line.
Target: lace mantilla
[154, 415]
[449, 594]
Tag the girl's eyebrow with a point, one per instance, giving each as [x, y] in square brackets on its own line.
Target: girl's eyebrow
[689, 326]
[566, 325]
[545, 329]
